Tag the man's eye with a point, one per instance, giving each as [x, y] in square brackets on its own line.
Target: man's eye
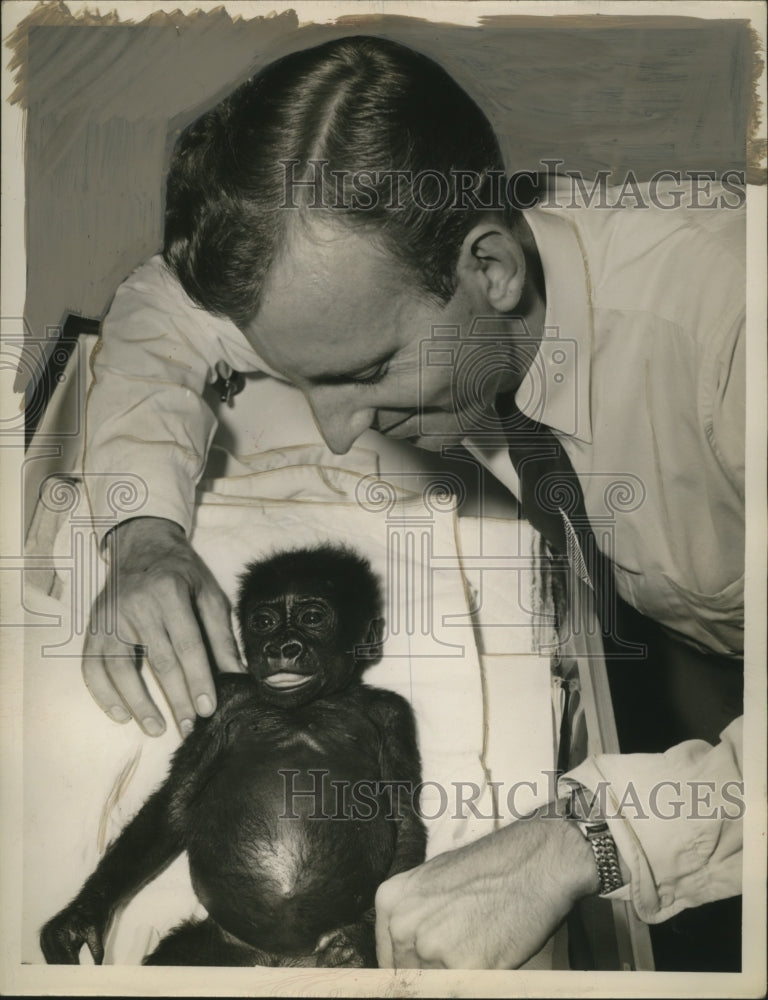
[371, 377]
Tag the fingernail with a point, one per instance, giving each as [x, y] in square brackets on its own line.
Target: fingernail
[152, 726]
[204, 705]
[118, 713]
[186, 726]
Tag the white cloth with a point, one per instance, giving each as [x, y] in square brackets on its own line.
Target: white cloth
[645, 326]
[429, 658]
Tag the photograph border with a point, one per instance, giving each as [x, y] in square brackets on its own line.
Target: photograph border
[16, 978]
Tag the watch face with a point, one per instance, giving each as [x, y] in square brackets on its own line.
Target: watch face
[595, 830]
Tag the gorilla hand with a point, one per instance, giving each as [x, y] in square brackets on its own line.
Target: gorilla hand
[65, 934]
[353, 946]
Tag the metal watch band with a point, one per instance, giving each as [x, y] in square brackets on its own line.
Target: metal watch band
[600, 840]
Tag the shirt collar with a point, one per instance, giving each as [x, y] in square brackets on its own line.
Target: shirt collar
[237, 348]
[556, 388]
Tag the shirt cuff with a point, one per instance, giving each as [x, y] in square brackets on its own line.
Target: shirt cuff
[676, 819]
[163, 492]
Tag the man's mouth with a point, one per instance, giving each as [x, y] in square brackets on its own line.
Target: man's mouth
[397, 423]
[287, 680]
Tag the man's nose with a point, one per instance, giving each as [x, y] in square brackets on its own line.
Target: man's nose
[339, 420]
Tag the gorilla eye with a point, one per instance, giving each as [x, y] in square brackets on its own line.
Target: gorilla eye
[313, 616]
[264, 620]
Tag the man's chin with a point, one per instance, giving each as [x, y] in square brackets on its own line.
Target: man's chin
[435, 442]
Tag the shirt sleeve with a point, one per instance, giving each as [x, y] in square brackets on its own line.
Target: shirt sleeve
[725, 408]
[676, 818]
[147, 427]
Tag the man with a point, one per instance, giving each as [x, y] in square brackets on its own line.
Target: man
[333, 285]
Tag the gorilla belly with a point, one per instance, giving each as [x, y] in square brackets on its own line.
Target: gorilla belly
[285, 852]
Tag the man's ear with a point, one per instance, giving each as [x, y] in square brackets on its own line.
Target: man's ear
[493, 263]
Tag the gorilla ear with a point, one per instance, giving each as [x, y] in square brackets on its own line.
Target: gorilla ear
[375, 634]
[372, 642]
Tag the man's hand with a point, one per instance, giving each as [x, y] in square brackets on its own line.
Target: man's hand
[163, 597]
[490, 905]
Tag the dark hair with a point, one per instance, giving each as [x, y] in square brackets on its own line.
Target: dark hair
[339, 572]
[361, 104]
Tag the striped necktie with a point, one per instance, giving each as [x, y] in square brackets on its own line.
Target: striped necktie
[552, 500]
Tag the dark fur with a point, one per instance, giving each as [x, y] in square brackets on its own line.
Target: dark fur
[282, 887]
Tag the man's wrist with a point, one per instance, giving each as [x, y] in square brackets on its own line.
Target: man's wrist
[142, 533]
[578, 857]
[567, 855]
[143, 524]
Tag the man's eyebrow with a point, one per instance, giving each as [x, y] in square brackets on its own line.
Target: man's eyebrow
[337, 378]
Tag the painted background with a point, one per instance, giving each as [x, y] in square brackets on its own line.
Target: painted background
[105, 100]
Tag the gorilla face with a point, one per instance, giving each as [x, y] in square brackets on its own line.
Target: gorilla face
[294, 647]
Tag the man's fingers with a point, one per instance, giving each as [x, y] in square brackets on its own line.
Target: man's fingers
[111, 675]
[402, 942]
[163, 596]
[120, 662]
[386, 897]
[186, 650]
[125, 675]
[402, 932]
[383, 943]
[101, 687]
[213, 608]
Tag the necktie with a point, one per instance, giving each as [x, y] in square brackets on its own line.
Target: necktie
[552, 500]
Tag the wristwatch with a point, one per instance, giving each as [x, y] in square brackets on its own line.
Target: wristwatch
[579, 809]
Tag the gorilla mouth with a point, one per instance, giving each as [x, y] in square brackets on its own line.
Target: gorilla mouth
[287, 680]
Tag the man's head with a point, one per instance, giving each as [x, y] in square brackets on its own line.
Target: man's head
[338, 281]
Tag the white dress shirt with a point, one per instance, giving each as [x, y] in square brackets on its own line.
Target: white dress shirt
[641, 376]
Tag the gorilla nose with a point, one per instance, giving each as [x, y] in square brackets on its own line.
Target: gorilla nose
[287, 651]
[291, 650]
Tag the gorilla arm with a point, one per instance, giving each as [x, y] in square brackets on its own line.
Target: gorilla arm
[400, 771]
[145, 847]
[401, 765]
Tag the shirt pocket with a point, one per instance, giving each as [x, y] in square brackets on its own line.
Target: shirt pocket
[716, 620]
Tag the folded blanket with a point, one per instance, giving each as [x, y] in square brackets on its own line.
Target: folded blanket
[84, 776]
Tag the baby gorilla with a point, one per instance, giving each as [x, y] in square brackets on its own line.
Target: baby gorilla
[294, 801]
